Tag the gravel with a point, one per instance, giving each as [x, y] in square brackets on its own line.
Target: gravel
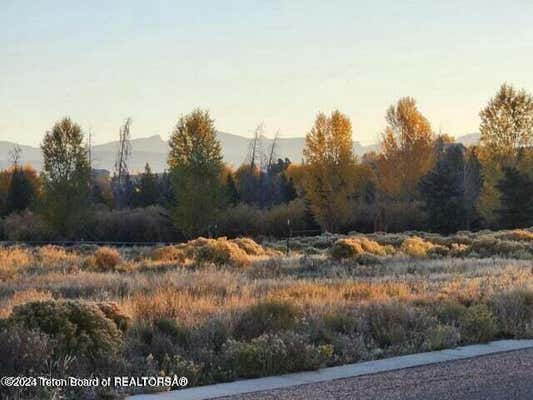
[504, 376]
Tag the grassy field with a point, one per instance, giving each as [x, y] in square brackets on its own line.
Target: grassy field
[219, 310]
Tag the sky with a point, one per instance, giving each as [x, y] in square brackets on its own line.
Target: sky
[250, 62]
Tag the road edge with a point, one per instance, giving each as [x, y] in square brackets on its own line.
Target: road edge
[340, 372]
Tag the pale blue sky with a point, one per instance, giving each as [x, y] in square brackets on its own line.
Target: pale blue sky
[277, 62]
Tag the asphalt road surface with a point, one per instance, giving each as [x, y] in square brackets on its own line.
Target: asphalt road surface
[503, 376]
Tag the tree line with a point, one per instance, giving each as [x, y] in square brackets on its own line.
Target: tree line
[419, 180]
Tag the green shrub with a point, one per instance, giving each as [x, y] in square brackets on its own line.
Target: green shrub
[178, 333]
[321, 242]
[477, 324]
[397, 324]
[514, 312]
[340, 322]
[265, 317]
[440, 337]
[212, 335]
[368, 259]
[249, 220]
[177, 365]
[449, 312]
[438, 251]
[490, 246]
[273, 354]
[274, 220]
[164, 337]
[25, 226]
[150, 224]
[23, 351]
[75, 328]
[242, 219]
[28, 353]
[312, 251]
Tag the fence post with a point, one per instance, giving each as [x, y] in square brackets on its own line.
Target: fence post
[289, 232]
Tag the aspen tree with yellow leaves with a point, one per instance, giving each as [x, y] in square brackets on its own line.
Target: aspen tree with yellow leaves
[406, 150]
[330, 170]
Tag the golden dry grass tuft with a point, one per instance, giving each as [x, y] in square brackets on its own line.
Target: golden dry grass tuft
[415, 246]
[221, 251]
[104, 259]
[517, 234]
[355, 246]
[251, 248]
[168, 254]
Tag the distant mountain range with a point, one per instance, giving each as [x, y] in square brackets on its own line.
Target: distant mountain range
[154, 150]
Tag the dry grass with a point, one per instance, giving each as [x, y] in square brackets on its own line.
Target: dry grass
[402, 290]
[21, 297]
[54, 255]
[313, 283]
[419, 292]
[12, 260]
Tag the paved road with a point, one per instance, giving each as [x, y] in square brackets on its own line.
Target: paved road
[506, 376]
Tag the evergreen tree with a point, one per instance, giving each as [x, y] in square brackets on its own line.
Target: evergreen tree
[166, 194]
[96, 194]
[516, 210]
[287, 188]
[248, 179]
[5, 178]
[231, 190]
[147, 192]
[473, 186]
[123, 190]
[442, 190]
[21, 192]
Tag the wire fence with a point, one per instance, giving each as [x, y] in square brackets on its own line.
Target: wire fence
[76, 243]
